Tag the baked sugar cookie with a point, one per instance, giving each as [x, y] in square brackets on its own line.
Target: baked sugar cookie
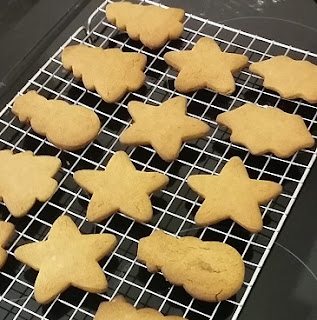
[67, 258]
[208, 270]
[291, 78]
[69, 127]
[266, 129]
[164, 127]
[152, 25]
[111, 72]
[232, 195]
[25, 178]
[6, 232]
[205, 66]
[119, 309]
[120, 187]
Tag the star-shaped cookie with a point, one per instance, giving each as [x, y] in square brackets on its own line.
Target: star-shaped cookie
[205, 65]
[290, 78]
[67, 258]
[111, 72]
[165, 127]
[266, 129]
[151, 24]
[6, 232]
[233, 195]
[120, 187]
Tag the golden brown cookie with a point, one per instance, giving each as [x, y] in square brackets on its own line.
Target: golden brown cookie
[205, 65]
[150, 24]
[292, 79]
[6, 232]
[208, 270]
[67, 258]
[111, 72]
[233, 195]
[119, 309]
[165, 127]
[120, 187]
[25, 178]
[267, 129]
[68, 127]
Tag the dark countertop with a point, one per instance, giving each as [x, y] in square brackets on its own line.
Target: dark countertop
[31, 30]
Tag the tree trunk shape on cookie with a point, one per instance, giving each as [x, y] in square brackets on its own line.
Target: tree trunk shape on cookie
[208, 271]
[68, 127]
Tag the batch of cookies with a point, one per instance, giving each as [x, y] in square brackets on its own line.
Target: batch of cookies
[209, 271]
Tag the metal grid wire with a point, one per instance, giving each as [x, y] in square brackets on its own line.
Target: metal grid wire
[175, 206]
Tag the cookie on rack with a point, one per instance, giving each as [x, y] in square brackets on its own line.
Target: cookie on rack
[120, 309]
[68, 127]
[111, 72]
[6, 233]
[120, 187]
[205, 66]
[267, 129]
[25, 178]
[232, 195]
[165, 127]
[151, 24]
[67, 258]
[291, 78]
[208, 270]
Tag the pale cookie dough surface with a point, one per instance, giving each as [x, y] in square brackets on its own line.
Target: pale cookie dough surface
[266, 129]
[205, 66]
[68, 127]
[120, 187]
[232, 195]
[6, 232]
[111, 72]
[208, 270]
[25, 178]
[164, 127]
[150, 24]
[67, 258]
[119, 309]
[291, 78]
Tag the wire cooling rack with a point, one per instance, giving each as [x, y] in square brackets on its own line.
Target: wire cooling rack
[174, 207]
